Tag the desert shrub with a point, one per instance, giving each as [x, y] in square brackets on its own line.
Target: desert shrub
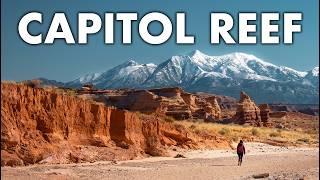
[311, 131]
[192, 126]
[306, 140]
[59, 91]
[169, 119]
[179, 127]
[235, 138]
[71, 92]
[255, 132]
[194, 120]
[197, 131]
[275, 134]
[279, 131]
[232, 132]
[224, 131]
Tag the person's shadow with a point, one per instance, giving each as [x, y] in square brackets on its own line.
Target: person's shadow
[223, 165]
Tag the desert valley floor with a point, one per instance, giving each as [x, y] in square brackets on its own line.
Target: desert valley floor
[277, 162]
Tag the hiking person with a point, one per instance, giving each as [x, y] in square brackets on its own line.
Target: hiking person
[240, 151]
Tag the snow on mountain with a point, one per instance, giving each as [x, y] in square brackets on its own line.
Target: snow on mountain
[129, 74]
[315, 72]
[88, 78]
[227, 74]
[185, 69]
[312, 77]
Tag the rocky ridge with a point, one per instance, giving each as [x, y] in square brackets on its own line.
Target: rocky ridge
[47, 126]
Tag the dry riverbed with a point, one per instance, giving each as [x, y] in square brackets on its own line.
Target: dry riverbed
[277, 162]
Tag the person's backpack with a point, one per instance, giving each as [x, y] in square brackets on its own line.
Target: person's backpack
[240, 148]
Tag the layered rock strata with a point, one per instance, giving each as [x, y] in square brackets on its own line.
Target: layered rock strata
[167, 101]
[47, 126]
[247, 111]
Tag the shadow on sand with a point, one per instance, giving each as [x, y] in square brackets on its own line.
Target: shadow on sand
[223, 165]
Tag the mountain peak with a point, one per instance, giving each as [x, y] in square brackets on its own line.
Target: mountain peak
[196, 53]
[315, 71]
[130, 63]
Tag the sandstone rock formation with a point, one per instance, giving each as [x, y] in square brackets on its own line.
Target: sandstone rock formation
[247, 111]
[264, 113]
[168, 101]
[47, 126]
[225, 102]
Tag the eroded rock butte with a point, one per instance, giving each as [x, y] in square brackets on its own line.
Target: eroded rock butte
[249, 113]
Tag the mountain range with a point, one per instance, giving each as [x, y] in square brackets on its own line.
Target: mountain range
[225, 75]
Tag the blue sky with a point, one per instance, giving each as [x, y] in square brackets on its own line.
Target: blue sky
[63, 62]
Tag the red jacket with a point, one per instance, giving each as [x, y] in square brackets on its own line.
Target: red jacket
[241, 149]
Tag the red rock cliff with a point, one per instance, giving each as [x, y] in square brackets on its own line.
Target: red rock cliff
[45, 126]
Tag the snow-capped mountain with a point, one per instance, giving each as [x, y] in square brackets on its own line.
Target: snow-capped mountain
[188, 69]
[226, 75]
[88, 78]
[128, 74]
